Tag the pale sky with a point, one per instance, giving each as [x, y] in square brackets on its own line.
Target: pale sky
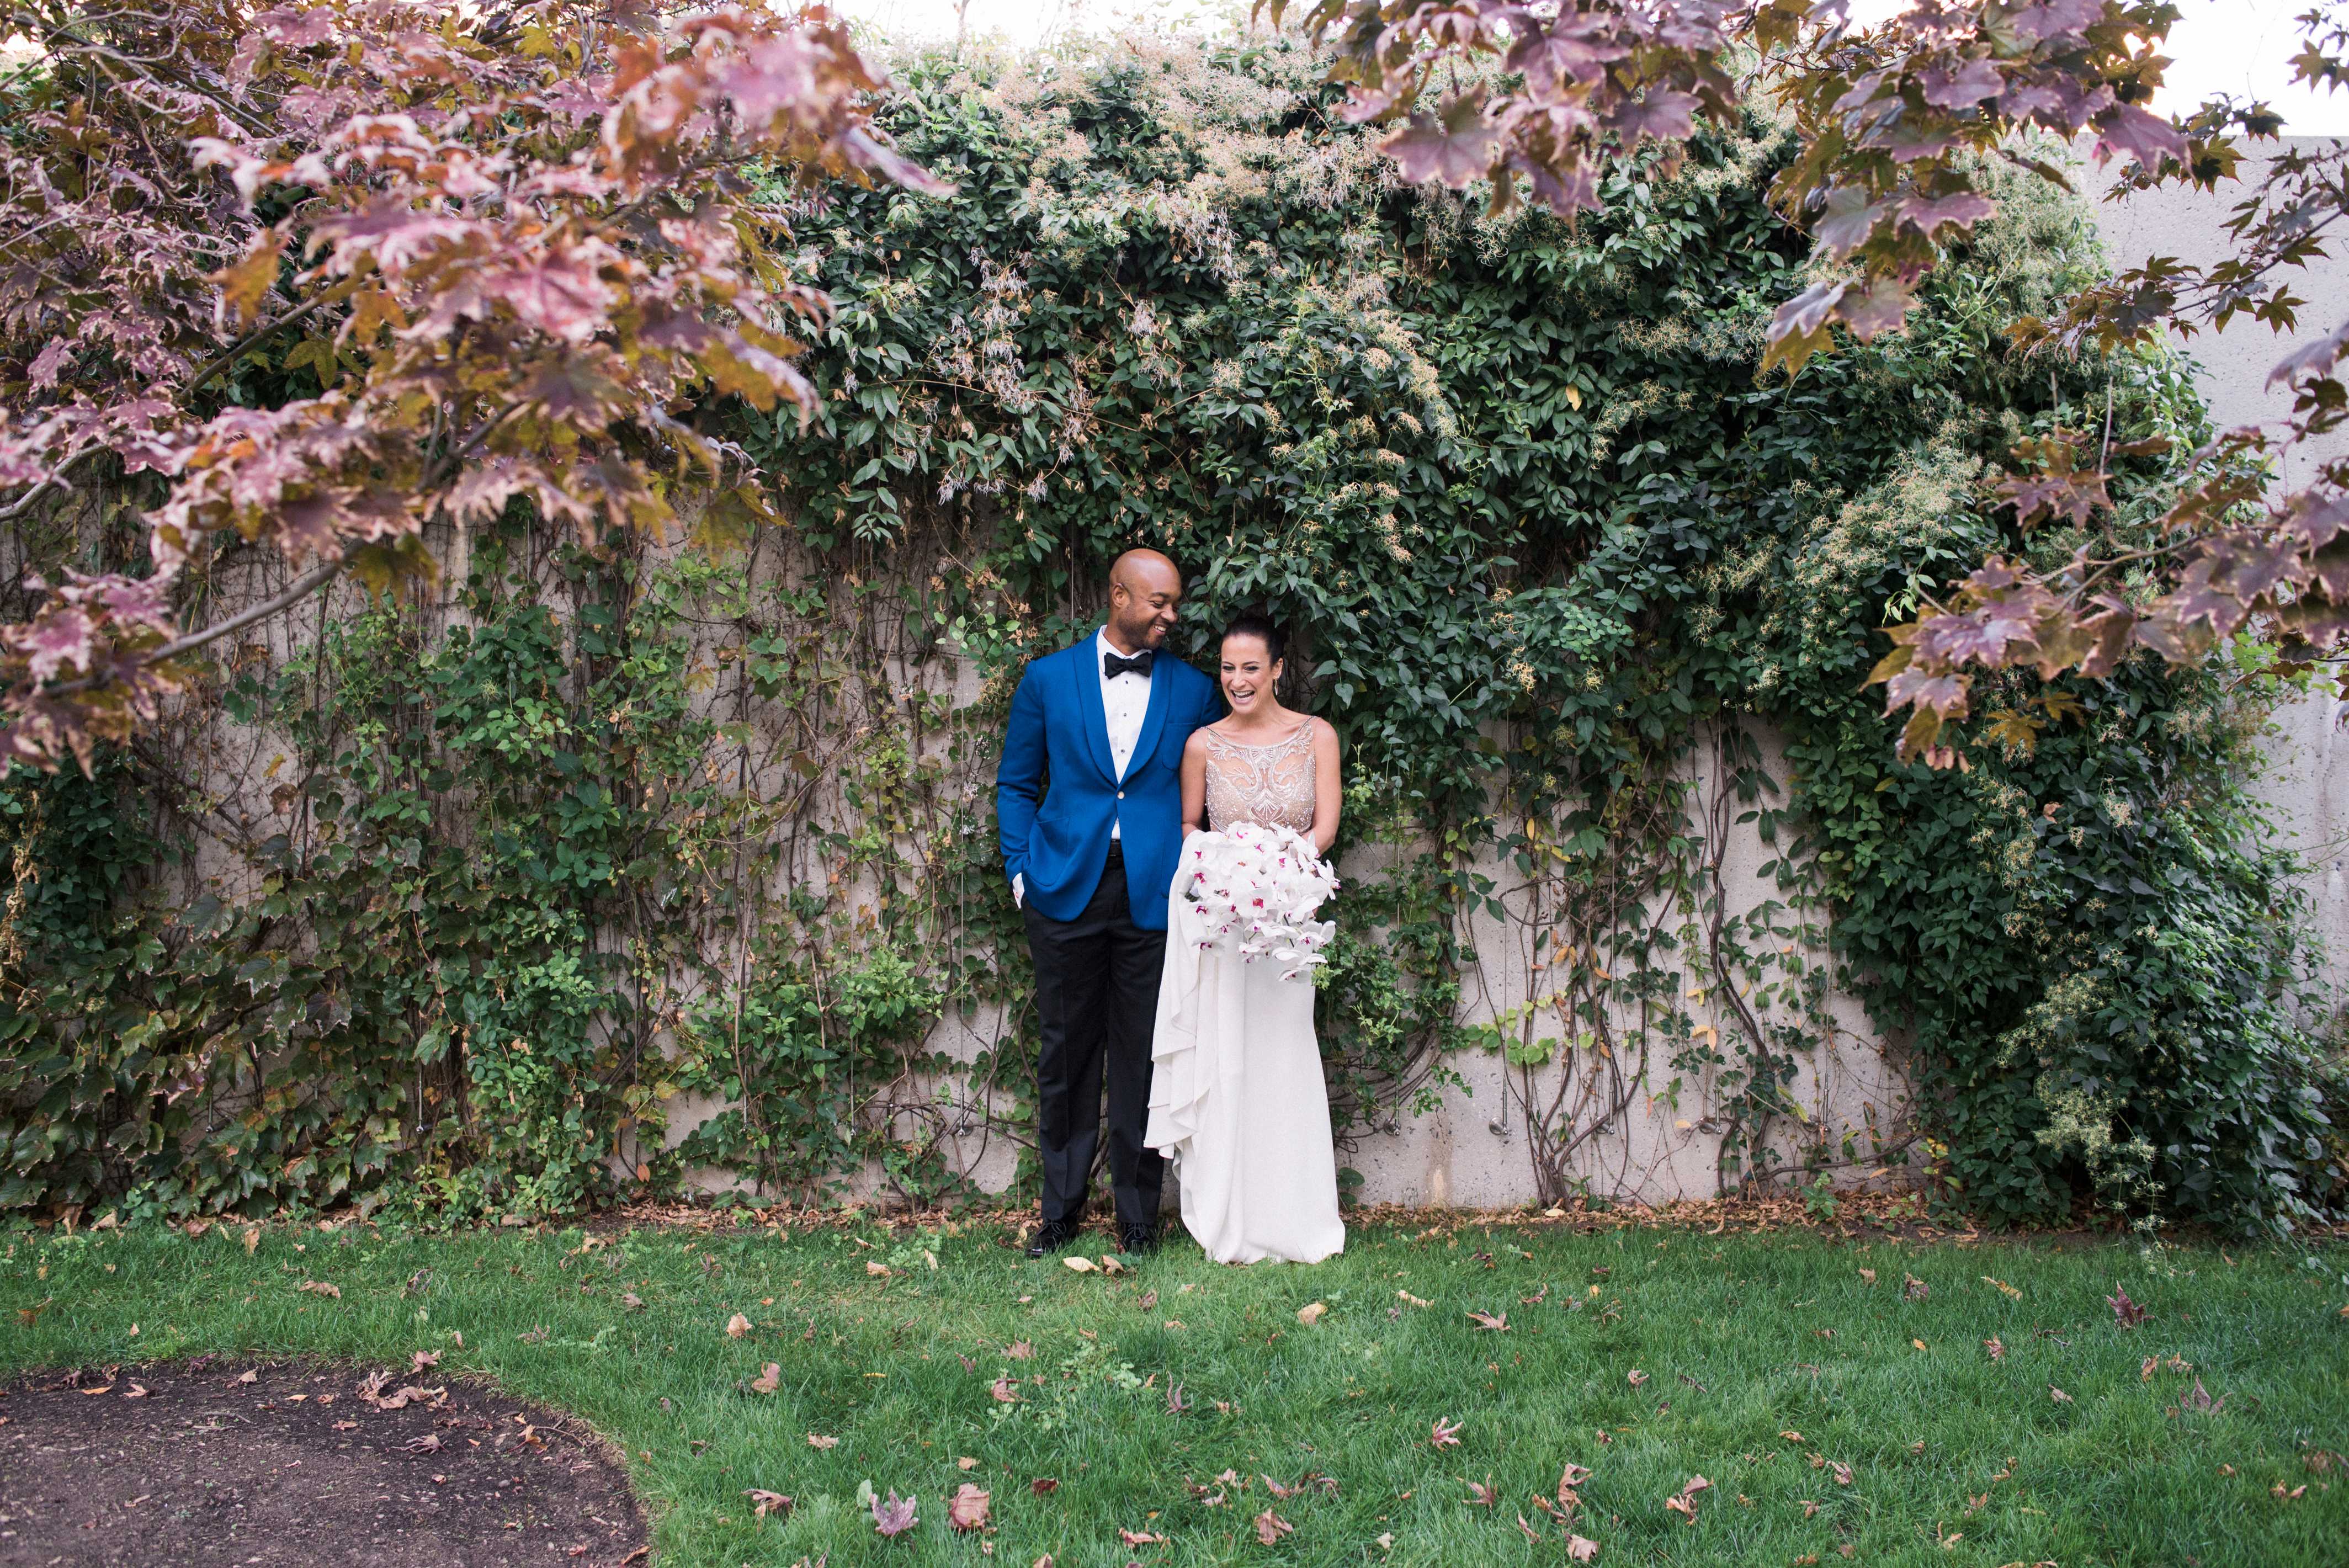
[2235, 46]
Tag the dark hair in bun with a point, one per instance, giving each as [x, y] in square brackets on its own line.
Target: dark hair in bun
[1256, 623]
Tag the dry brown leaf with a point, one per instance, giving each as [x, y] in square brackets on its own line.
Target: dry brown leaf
[1005, 1391]
[2057, 1395]
[1683, 1506]
[966, 1463]
[1481, 1493]
[764, 1503]
[876, 1268]
[966, 1510]
[1841, 1472]
[1139, 1537]
[1868, 1274]
[1019, 1350]
[769, 1380]
[252, 1239]
[1405, 1295]
[1444, 1434]
[1112, 1265]
[1996, 1347]
[738, 1328]
[1311, 1313]
[631, 1300]
[1271, 1527]
[1527, 1531]
[1043, 1486]
[1636, 1377]
[1498, 1323]
[1079, 1264]
[320, 1287]
[250, 1375]
[819, 1440]
[422, 1361]
[1581, 1548]
[1791, 1435]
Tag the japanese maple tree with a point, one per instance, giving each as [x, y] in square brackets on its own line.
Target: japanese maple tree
[1898, 122]
[484, 255]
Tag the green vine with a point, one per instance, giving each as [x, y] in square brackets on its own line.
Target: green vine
[1589, 606]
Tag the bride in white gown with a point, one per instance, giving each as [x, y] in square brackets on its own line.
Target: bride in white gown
[1238, 1099]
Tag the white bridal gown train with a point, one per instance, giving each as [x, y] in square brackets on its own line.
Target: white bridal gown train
[1237, 1096]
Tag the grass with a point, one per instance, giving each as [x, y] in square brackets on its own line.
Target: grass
[1954, 1457]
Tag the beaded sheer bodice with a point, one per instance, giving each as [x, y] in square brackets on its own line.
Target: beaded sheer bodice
[1269, 785]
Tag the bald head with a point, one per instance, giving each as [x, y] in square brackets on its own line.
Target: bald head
[1145, 589]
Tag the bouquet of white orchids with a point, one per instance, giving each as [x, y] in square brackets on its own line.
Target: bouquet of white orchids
[1257, 888]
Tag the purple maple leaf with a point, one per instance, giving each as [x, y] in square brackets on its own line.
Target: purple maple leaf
[2128, 1313]
[893, 1515]
[1454, 148]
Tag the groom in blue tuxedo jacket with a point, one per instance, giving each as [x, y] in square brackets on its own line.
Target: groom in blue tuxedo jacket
[1090, 862]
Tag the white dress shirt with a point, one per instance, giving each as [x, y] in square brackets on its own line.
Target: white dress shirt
[1125, 703]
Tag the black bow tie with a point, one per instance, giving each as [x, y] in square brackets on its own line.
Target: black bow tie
[1113, 666]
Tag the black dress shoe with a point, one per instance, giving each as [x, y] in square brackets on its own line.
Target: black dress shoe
[1135, 1240]
[1056, 1235]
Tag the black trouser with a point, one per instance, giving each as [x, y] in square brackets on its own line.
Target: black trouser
[1097, 997]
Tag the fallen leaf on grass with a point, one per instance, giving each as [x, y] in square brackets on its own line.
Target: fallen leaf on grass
[1868, 1274]
[1110, 1264]
[738, 1328]
[1841, 1472]
[1444, 1434]
[1271, 1527]
[1005, 1391]
[1791, 1435]
[769, 1380]
[1636, 1377]
[632, 1301]
[1480, 1494]
[1081, 1265]
[1499, 1324]
[819, 1440]
[1917, 1343]
[1044, 1485]
[250, 1375]
[1149, 1299]
[966, 1510]
[1311, 1315]
[764, 1503]
[967, 1463]
[320, 1287]
[1914, 1288]
[1572, 1476]
[422, 1361]
[895, 1516]
[2002, 1288]
[1580, 1549]
[2199, 1398]
[1997, 1349]
[2126, 1312]
[1405, 1295]
[1527, 1531]
[876, 1268]
[1139, 1537]
[1810, 1507]
[2278, 1493]
[2057, 1396]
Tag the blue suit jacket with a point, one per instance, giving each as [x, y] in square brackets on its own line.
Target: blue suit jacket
[1059, 727]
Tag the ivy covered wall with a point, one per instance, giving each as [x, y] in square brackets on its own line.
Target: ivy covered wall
[599, 867]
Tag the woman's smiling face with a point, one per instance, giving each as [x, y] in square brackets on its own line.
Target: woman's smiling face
[1248, 673]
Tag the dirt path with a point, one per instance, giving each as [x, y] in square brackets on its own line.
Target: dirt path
[220, 1462]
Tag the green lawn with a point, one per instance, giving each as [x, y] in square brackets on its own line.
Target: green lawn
[1953, 1457]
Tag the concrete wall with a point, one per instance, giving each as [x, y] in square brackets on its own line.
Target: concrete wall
[2308, 786]
[1471, 1151]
